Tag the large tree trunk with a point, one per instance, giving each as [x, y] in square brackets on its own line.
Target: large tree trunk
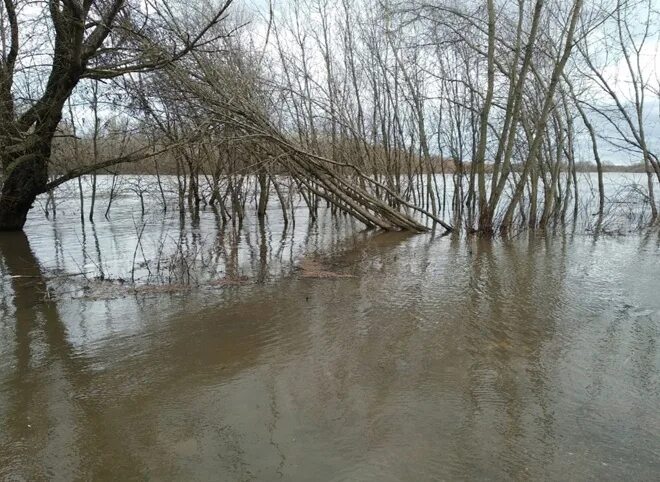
[25, 164]
[20, 188]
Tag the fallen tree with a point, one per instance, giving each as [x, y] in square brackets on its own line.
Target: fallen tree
[231, 99]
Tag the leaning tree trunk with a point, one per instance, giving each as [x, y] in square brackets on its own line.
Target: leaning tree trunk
[26, 140]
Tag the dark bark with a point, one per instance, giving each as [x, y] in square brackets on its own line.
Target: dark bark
[26, 176]
[263, 194]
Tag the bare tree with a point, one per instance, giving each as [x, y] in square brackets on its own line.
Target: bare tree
[90, 39]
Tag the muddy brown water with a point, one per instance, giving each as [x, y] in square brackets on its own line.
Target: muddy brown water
[424, 358]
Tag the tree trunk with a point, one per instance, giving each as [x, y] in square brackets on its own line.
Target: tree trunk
[263, 194]
[20, 188]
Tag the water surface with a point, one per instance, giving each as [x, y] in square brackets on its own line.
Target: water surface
[407, 358]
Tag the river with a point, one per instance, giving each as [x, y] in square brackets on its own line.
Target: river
[325, 352]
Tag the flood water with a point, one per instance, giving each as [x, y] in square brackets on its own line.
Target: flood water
[325, 353]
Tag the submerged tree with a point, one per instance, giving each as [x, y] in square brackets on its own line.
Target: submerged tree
[48, 52]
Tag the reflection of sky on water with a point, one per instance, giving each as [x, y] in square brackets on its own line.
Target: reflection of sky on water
[441, 358]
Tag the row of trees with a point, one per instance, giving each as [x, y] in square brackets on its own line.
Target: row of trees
[399, 114]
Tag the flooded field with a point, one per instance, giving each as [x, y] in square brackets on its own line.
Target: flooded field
[324, 353]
